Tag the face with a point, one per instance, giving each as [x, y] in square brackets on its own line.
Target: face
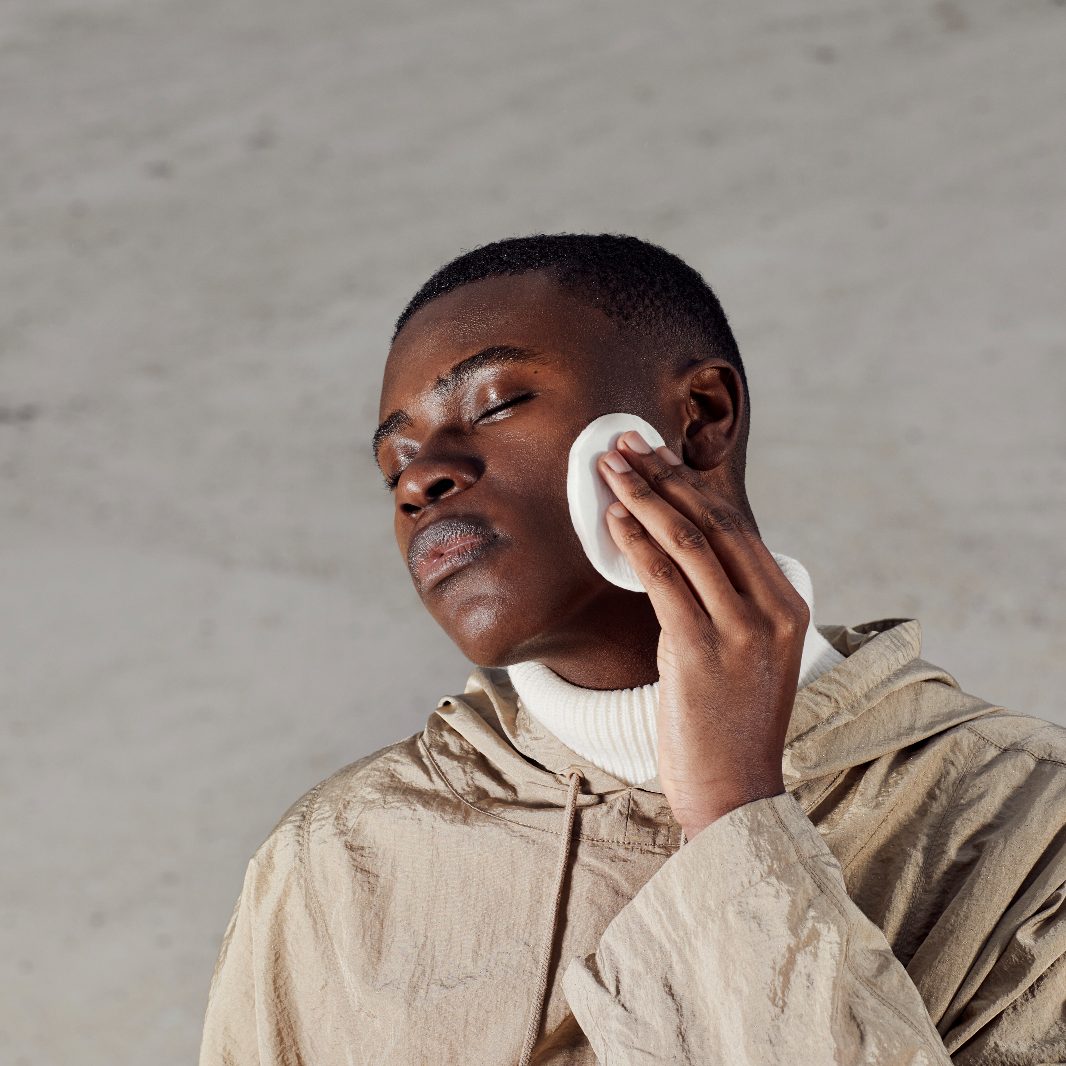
[491, 451]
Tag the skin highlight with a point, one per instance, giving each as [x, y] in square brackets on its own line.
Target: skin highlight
[534, 594]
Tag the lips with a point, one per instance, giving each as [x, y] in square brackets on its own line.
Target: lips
[446, 544]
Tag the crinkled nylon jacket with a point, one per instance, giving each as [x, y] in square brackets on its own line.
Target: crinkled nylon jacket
[478, 893]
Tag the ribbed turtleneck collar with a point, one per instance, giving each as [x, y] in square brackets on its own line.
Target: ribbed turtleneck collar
[615, 729]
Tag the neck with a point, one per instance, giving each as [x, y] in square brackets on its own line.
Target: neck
[621, 655]
[612, 724]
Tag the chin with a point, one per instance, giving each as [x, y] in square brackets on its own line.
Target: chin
[484, 629]
[530, 631]
[494, 637]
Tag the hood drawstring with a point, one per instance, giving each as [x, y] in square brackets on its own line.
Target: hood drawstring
[575, 777]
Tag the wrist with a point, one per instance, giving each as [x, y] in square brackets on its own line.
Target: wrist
[696, 821]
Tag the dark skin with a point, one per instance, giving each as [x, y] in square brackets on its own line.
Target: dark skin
[720, 627]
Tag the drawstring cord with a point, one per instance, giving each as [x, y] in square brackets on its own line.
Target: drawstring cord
[575, 778]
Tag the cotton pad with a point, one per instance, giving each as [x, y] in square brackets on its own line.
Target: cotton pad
[589, 495]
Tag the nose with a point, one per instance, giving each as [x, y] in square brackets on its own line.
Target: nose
[431, 478]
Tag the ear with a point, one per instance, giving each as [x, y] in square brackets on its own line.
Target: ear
[715, 409]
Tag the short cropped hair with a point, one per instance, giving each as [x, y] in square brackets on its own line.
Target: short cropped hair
[632, 281]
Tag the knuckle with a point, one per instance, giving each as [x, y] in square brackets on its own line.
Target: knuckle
[662, 571]
[640, 490]
[662, 473]
[791, 620]
[723, 519]
[743, 637]
[687, 537]
[735, 636]
[633, 532]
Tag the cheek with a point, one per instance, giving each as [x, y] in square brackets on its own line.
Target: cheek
[535, 484]
[550, 543]
[536, 494]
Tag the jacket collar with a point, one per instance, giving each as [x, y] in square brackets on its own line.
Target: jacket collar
[882, 653]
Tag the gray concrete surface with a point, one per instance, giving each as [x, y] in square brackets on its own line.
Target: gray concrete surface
[210, 215]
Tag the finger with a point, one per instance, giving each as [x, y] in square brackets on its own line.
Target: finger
[684, 543]
[672, 598]
[722, 522]
[740, 550]
[776, 586]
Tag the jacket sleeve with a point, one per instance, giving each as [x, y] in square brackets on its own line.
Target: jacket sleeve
[744, 947]
[262, 996]
[994, 962]
[230, 1031]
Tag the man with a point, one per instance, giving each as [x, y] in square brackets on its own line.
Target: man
[678, 826]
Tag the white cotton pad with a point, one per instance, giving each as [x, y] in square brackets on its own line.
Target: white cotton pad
[589, 495]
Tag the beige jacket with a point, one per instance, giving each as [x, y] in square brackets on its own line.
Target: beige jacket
[479, 894]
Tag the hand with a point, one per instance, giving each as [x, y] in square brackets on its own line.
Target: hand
[732, 635]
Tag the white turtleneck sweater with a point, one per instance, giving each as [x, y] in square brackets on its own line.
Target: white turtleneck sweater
[615, 729]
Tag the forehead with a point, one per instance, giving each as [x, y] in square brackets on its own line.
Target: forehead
[525, 311]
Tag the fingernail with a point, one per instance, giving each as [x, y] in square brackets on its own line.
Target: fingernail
[632, 439]
[669, 456]
[616, 462]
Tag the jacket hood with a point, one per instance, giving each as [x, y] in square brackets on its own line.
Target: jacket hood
[867, 705]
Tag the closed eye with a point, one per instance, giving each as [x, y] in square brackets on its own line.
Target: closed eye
[502, 406]
[392, 482]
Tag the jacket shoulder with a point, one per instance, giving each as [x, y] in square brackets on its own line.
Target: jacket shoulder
[329, 810]
[1015, 776]
[1005, 733]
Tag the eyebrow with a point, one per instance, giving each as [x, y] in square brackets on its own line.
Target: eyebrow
[450, 380]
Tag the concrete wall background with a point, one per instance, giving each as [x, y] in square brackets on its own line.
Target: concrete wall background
[211, 213]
